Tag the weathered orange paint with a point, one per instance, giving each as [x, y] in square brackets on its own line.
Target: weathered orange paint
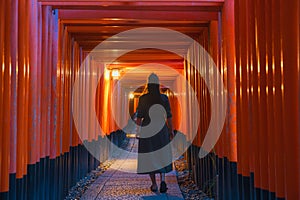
[54, 64]
[2, 64]
[278, 104]
[229, 64]
[270, 96]
[14, 90]
[6, 89]
[21, 107]
[290, 49]
[273, 55]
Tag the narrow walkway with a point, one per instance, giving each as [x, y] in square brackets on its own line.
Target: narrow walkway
[116, 183]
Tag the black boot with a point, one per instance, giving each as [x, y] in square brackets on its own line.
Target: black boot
[163, 187]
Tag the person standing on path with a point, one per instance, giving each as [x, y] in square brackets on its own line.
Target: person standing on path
[155, 130]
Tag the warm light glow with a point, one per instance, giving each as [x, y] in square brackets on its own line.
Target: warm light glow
[17, 68]
[273, 65]
[114, 19]
[106, 74]
[267, 64]
[241, 73]
[281, 70]
[28, 72]
[247, 68]
[10, 68]
[131, 95]
[115, 73]
[3, 66]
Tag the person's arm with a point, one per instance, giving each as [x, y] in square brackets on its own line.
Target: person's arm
[170, 127]
[138, 123]
[139, 116]
[138, 127]
[169, 118]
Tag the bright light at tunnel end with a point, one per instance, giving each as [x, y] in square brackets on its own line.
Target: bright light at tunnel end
[148, 37]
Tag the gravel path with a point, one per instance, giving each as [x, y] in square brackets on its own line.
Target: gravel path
[121, 181]
[106, 182]
[189, 189]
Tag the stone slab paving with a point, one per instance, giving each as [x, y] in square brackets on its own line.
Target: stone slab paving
[116, 183]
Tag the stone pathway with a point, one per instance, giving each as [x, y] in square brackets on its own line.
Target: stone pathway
[118, 183]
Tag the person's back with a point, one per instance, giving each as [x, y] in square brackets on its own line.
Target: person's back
[155, 154]
[149, 100]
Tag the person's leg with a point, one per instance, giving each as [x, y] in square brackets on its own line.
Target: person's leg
[153, 180]
[163, 185]
[162, 177]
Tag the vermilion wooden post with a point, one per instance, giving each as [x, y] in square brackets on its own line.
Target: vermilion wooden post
[6, 89]
[189, 115]
[59, 90]
[202, 91]
[27, 83]
[85, 91]
[254, 91]
[229, 56]
[38, 87]
[22, 117]
[111, 118]
[200, 102]
[191, 75]
[48, 82]
[14, 91]
[44, 81]
[291, 141]
[197, 92]
[263, 115]
[91, 124]
[228, 64]
[97, 99]
[238, 78]
[59, 112]
[270, 95]
[2, 37]
[54, 88]
[214, 52]
[74, 76]
[208, 113]
[98, 96]
[65, 93]
[90, 85]
[33, 93]
[278, 125]
[244, 92]
[33, 106]
[252, 125]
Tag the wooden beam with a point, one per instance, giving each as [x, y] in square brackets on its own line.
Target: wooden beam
[130, 22]
[101, 37]
[118, 29]
[138, 14]
[203, 5]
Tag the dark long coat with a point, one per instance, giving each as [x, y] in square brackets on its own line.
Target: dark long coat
[161, 160]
